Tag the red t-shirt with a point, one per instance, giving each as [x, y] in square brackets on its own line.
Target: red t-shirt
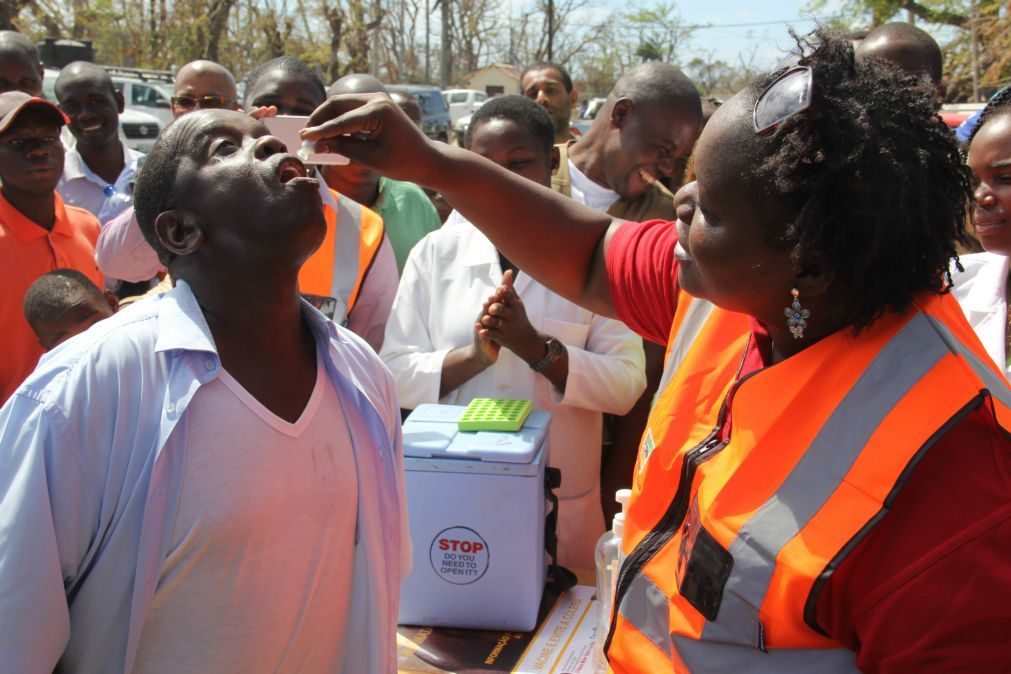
[929, 588]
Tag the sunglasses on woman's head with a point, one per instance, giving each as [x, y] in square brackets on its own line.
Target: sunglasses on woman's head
[787, 96]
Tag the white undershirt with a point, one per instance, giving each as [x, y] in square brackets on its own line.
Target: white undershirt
[589, 193]
[258, 575]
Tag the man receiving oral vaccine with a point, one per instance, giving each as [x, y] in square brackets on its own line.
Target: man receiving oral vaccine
[211, 480]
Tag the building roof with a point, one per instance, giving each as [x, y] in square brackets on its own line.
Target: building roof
[506, 68]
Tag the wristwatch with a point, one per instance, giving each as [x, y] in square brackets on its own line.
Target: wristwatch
[555, 351]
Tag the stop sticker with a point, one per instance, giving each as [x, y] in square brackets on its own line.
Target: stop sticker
[459, 555]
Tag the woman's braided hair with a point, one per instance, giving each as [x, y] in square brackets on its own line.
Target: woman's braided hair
[872, 178]
[998, 105]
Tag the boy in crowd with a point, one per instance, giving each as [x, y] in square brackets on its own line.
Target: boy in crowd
[38, 233]
[122, 251]
[63, 303]
[566, 359]
[175, 500]
[550, 86]
[407, 213]
[99, 170]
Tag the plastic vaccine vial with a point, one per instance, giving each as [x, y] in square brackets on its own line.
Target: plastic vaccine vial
[305, 150]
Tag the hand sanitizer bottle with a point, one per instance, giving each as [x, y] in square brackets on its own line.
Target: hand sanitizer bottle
[608, 556]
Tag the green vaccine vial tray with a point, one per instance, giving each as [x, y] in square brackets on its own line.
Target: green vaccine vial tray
[495, 414]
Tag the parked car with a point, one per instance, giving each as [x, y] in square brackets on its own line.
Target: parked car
[581, 126]
[460, 127]
[954, 114]
[153, 98]
[138, 130]
[434, 110]
[593, 107]
[463, 102]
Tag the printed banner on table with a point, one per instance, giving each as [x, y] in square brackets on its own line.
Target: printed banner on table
[562, 643]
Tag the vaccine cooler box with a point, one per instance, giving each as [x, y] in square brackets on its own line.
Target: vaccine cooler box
[476, 507]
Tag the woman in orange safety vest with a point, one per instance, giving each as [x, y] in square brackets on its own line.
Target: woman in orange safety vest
[823, 482]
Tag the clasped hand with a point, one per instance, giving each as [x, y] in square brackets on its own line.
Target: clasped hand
[503, 322]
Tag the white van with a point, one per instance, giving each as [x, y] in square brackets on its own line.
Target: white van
[463, 102]
[153, 98]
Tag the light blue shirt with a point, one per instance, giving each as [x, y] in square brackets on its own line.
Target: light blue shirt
[93, 448]
[80, 186]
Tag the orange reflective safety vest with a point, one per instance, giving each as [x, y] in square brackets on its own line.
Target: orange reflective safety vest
[338, 269]
[729, 543]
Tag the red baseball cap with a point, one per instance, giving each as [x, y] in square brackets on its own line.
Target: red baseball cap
[13, 103]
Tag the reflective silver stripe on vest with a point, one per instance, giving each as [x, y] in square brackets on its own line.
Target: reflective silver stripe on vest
[347, 242]
[645, 606]
[997, 385]
[896, 369]
[708, 657]
[695, 317]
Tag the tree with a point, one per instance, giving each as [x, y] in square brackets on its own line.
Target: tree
[9, 12]
[946, 12]
[337, 36]
[402, 52]
[659, 32]
[649, 50]
[627, 38]
[978, 53]
[216, 25]
[472, 25]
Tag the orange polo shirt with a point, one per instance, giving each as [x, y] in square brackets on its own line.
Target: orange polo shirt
[28, 251]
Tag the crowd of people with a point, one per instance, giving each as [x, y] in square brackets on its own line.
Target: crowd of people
[761, 317]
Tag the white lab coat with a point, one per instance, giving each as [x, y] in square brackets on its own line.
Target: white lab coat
[980, 291]
[447, 278]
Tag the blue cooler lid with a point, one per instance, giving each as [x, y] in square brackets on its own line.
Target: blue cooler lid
[431, 431]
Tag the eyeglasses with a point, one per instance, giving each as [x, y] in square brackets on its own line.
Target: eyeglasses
[787, 96]
[204, 102]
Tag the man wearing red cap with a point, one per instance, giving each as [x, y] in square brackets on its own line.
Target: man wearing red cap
[38, 233]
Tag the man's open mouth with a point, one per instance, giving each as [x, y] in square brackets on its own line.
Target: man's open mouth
[290, 169]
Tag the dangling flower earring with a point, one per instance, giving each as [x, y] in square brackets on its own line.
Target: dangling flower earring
[796, 316]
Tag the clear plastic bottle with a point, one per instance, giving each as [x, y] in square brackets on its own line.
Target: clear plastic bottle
[115, 202]
[608, 557]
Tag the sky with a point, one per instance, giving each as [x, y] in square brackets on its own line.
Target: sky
[752, 31]
[731, 30]
[748, 29]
